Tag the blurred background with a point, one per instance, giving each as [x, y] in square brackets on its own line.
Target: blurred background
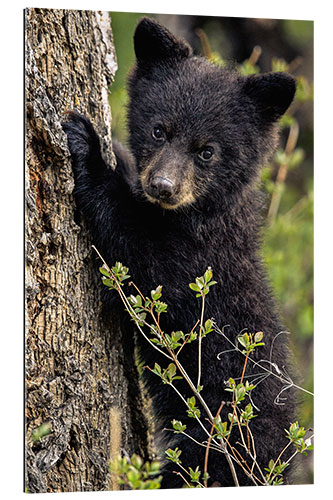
[260, 45]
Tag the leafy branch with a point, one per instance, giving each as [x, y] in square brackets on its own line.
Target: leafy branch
[144, 309]
[139, 307]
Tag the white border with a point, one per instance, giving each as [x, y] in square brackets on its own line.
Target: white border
[12, 230]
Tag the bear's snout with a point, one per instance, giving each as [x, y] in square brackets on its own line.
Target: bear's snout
[161, 188]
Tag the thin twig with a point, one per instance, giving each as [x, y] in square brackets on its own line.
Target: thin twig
[294, 64]
[131, 283]
[279, 375]
[209, 440]
[244, 367]
[193, 439]
[200, 339]
[187, 338]
[183, 478]
[256, 53]
[241, 461]
[204, 42]
[282, 173]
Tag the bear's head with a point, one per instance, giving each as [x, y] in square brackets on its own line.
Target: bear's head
[198, 132]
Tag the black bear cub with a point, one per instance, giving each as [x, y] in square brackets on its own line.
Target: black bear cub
[182, 199]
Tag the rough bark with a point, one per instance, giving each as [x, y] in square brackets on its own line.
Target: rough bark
[75, 377]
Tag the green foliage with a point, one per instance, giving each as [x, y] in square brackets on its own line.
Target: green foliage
[43, 430]
[296, 435]
[246, 415]
[221, 428]
[215, 58]
[117, 276]
[173, 455]
[291, 160]
[275, 472]
[298, 33]
[203, 283]
[178, 426]
[240, 391]
[119, 101]
[288, 252]
[304, 91]
[288, 236]
[248, 68]
[192, 411]
[135, 474]
[139, 307]
[250, 341]
[123, 26]
[194, 474]
[167, 375]
[279, 64]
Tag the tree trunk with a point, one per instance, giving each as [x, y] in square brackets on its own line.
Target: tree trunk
[76, 385]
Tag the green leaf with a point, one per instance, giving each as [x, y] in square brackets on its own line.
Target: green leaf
[208, 275]
[244, 340]
[104, 271]
[176, 336]
[258, 337]
[172, 370]
[194, 287]
[211, 283]
[200, 282]
[191, 402]
[286, 121]
[279, 65]
[136, 461]
[178, 426]
[108, 282]
[157, 369]
[194, 474]
[173, 455]
[156, 294]
[232, 418]
[296, 158]
[160, 307]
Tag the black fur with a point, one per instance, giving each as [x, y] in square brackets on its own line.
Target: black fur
[172, 239]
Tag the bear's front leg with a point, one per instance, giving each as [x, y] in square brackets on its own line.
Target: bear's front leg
[98, 188]
[84, 145]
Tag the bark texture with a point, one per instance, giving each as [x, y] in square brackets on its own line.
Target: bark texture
[75, 377]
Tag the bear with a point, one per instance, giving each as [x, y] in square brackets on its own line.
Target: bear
[182, 198]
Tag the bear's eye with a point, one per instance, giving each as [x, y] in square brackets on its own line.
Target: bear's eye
[158, 133]
[206, 153]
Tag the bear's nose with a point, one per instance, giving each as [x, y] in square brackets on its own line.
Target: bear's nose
[161, 187]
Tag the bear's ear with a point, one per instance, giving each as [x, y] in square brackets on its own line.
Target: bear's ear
[154, 43]
[272, 93]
